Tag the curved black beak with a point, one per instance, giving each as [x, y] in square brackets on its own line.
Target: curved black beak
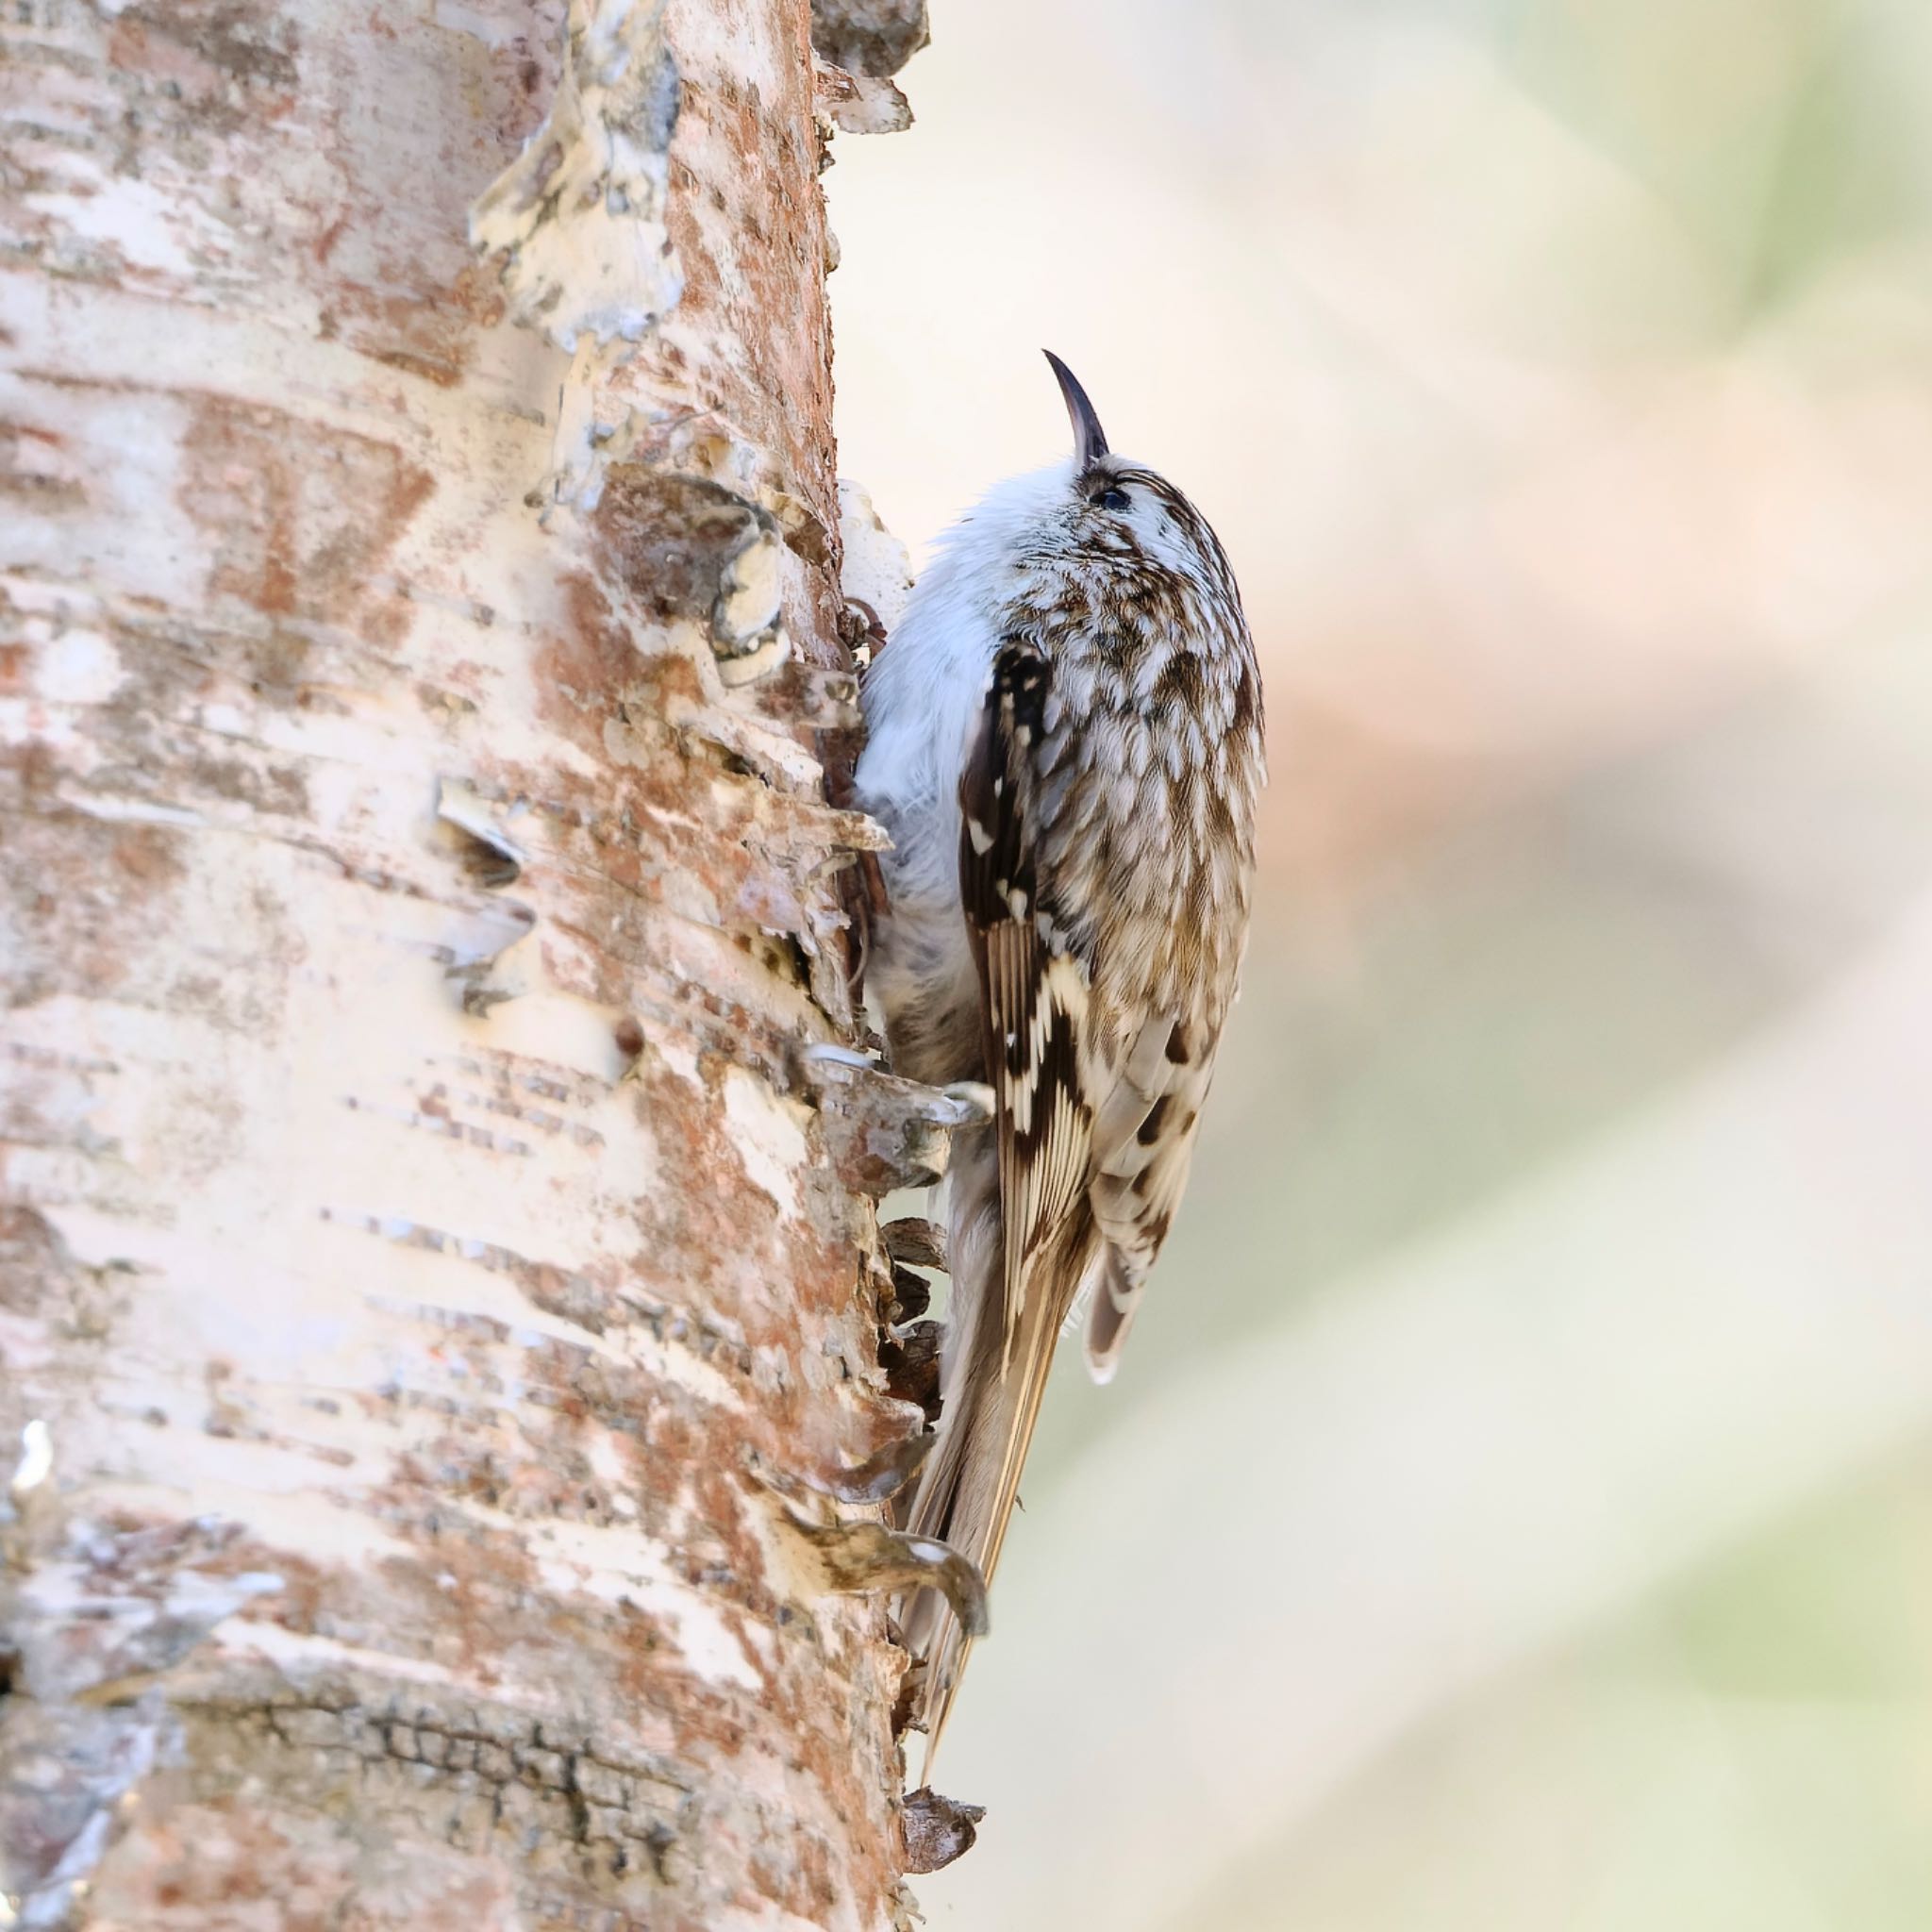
[1090, 438]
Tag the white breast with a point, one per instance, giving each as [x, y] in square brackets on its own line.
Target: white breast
[921, 698]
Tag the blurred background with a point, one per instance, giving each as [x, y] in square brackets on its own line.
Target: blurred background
[1515, 1508]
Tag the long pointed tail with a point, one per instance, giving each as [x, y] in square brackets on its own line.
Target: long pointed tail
[969, 1488]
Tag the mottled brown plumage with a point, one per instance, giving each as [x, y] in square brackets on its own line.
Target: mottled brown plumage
[1065, 743]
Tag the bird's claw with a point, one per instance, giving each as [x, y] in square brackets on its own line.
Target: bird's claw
[877, 1479]
[859, 1558]
[885, 1132]
[975, 1099]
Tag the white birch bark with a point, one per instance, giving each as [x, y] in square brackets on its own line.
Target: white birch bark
[425, 1248]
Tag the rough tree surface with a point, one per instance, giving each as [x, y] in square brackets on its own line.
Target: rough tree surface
[433, 1276]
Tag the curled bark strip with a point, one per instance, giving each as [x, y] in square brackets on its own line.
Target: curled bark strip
[470, 959]
[876, 572]
[937, 1830]
[861, 103]
[489, 855]
[915, 1243]
[869, 36]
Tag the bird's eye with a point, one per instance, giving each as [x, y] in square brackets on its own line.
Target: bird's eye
[1114, 498]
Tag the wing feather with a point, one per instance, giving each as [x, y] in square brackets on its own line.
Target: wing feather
[1036, 993]
[1143, 1145]
[1035, 989]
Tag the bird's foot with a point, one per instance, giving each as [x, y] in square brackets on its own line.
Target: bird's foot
[857, 1559]
[877, 1479]
[884, 1132]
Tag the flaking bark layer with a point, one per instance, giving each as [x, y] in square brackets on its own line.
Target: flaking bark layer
[419, 887]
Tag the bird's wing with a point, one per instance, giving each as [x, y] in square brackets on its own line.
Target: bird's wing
[1143, 1144]
[1035, 995]
[1034, 989]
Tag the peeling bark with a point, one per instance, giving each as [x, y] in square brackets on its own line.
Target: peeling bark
[440, 1285]
[870, 37]
[938, 1830]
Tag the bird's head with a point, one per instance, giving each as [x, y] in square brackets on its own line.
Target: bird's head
[1111, 508]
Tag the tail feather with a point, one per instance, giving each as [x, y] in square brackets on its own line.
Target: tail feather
[995, 1379]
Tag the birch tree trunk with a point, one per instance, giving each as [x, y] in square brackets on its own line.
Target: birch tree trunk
[435, 1276]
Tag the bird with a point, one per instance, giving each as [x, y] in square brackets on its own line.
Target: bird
[1064, 743]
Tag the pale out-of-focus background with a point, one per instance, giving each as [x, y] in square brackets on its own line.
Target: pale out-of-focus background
[1515, 1510]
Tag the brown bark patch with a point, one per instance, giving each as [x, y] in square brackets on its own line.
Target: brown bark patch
[204, 47]
[584, 673]
[37, 1267]
[297, 516]
[33, 474]
[668, 538]
[429, 328]
[70, 887]
[698, 1206]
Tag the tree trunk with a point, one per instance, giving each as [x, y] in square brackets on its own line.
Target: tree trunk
[439, 1285]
